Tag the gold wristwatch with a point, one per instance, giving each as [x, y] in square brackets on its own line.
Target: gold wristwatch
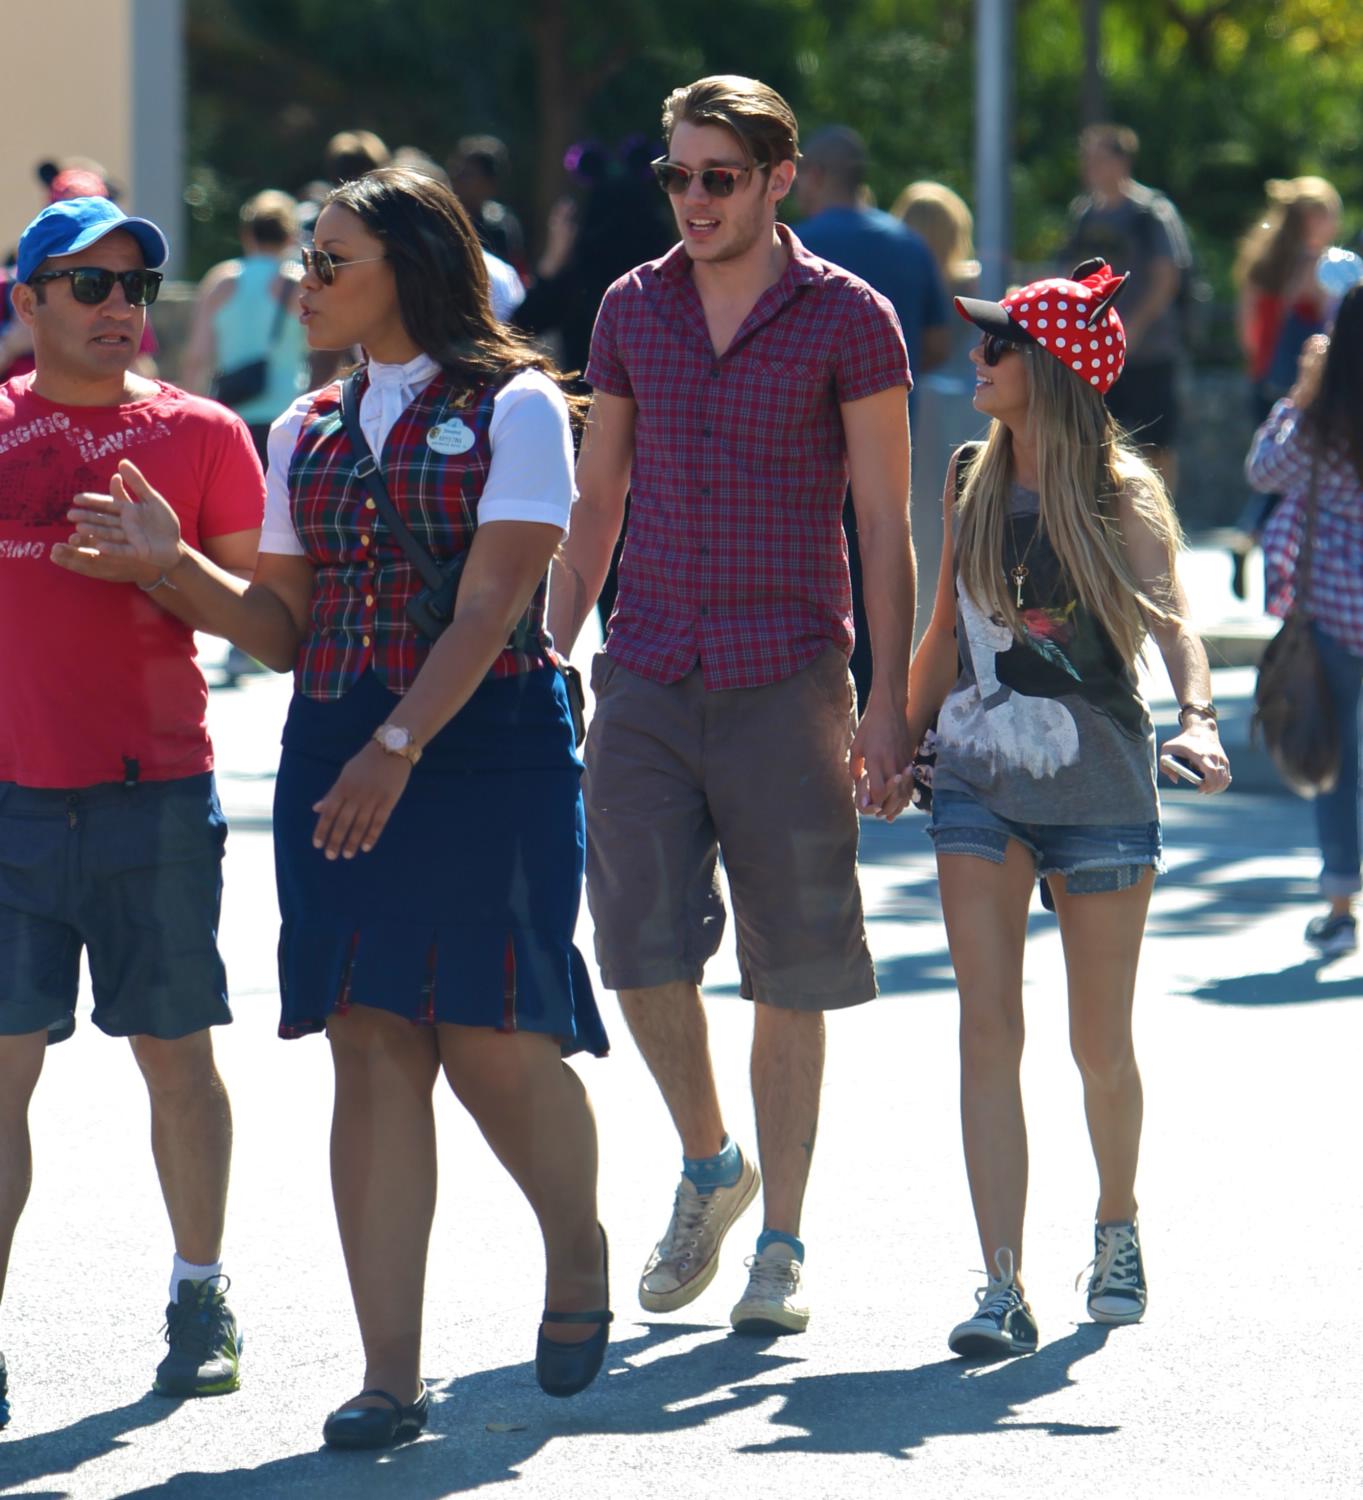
[397, 741]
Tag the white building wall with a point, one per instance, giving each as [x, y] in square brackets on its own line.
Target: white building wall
[97, 78]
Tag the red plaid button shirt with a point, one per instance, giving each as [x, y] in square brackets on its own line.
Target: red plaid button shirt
[735, 555]
[1280, 460]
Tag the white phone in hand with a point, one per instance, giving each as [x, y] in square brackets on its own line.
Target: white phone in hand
[1175, 765]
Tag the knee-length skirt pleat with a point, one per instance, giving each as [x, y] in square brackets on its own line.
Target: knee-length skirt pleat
[464, 911]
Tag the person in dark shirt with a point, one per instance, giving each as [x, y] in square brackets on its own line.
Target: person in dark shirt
[478, 167]
[1138, 230]
[893, 259]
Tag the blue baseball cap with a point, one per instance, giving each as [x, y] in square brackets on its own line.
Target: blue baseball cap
[76, 224]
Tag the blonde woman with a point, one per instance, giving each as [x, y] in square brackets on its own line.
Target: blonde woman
[1059, 559]
[944, 221]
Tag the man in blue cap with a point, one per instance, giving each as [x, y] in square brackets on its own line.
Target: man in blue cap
[110, 830]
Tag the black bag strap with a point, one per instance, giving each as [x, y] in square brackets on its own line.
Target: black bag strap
[965, 456]
[369, 474]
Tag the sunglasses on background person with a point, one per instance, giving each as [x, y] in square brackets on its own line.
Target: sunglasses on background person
[324, 266]
[718, 182]
[93, 284]
[994, 346]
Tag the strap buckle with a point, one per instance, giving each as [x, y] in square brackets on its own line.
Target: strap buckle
[367, 465]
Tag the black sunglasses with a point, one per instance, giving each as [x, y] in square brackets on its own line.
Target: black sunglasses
[93, 284]
[995, 346]
[718, 182]
[324, 266]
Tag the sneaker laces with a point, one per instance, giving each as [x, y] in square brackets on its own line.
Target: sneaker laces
[772, 1278]
[192, 1327]
[690, 1214]
[1116, 1262]
[999, 1294]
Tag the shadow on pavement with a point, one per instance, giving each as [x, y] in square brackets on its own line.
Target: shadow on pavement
[887, 1411]
[1301, 984]
[27, 1459]
[894, 1411]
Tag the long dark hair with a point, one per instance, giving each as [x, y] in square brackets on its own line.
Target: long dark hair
[1334, 418]
[441, 275]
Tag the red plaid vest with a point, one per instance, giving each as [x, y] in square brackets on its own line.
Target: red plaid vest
[363, 582]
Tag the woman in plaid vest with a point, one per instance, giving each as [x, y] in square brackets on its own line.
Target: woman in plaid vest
[428, 823]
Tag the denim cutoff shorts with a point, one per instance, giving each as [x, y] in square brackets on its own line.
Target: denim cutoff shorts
[1093, 857]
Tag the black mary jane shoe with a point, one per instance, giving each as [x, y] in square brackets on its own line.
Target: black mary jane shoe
[377, 1426]
[566, 1369]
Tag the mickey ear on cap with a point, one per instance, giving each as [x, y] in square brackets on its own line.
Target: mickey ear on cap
[1087, 268]
[1099, 311]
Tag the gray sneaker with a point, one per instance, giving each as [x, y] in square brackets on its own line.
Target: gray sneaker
[1116, 1289]
[204, 1358]
[685, 1260]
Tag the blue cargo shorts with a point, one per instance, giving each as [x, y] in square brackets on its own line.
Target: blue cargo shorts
[133, 876]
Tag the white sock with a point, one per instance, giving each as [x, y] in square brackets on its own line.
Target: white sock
[183, 1270]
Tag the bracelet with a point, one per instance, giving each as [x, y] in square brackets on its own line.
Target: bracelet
[150, 588]
[1206, 710]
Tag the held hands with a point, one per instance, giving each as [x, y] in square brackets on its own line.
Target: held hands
[1200, 745]
[130, 535]
[356, 810]
[881, 752]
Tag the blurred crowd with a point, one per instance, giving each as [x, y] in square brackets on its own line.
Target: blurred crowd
[920, 254]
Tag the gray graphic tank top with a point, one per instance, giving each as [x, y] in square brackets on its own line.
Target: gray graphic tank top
[1052, 728]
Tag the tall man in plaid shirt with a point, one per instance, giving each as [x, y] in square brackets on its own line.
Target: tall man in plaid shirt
[738, 382]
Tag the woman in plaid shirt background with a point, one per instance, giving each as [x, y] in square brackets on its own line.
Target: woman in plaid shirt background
[1322, 417]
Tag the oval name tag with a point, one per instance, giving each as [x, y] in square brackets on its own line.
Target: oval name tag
[454, 436]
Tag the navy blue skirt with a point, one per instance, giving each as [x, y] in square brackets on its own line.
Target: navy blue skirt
[464, 911]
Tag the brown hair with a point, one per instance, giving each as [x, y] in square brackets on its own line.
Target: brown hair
[1271, 252]
[270, 218]
[755, 113]
[441, 277]
[352, 153]
[1118, 140]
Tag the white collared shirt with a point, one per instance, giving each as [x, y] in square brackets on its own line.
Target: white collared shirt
[531, 474]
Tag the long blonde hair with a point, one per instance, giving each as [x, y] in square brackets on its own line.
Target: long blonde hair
[945, 222]
[1084, 467]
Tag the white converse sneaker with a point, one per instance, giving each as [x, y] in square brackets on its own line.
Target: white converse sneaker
[1116, 1289]
[1003, 1323]
[685, 1260]
[768, 1306]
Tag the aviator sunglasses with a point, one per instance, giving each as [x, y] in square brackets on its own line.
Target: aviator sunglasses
[93, 284]
[324, 266]
[994, 346]
[718, 182]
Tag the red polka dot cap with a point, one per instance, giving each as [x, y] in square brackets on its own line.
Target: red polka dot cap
[1071, 318]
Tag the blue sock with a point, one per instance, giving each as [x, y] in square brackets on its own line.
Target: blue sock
[706, 1173]
[770, 1237]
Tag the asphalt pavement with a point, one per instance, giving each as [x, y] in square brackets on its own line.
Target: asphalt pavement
[1243, 1381]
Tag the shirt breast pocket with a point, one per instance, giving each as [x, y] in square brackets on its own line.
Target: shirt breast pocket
[793, 408]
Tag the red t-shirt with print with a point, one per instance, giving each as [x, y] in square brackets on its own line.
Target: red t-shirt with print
[92, 673]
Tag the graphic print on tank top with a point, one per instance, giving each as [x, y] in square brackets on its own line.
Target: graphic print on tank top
[1014, 715]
